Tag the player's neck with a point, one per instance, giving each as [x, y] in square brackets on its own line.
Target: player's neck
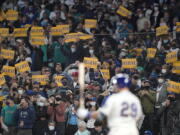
[123, 89]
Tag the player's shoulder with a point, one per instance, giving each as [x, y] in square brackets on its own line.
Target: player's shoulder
[123, 95]
[130, 96]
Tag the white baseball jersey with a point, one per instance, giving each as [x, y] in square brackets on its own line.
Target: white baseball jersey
[122, 110]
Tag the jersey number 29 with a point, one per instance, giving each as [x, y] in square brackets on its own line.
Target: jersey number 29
[128, 110]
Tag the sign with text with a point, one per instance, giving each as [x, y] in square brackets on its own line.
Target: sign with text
[58, 80]
[176, 67]
[105, 73]
[37, 31]
[129, 63]
[64, 28]
[22, 66]
[90, 62]
[12, 15]
[4, 32]
[37, 40]
[138, 51]
[56, 31]
[171, 57]
[7, 54]
[43, 79]
[123, 11]
[20, 32]
[105, 65]
[9, 71]
[90, 23]
[71, 37]
[177, 26]
[27, 26]
[162, 30]
[84, 36]
[2, 80]
[151, 52]
[173, 86]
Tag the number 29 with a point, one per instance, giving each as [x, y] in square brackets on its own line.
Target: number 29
[126, 108]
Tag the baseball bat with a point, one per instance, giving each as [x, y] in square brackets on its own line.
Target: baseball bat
[81, 83]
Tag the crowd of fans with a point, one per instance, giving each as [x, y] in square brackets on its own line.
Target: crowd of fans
[28, 107]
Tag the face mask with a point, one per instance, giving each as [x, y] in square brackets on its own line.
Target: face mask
[51, 128]
[91, 51]
[85, 46]
[140, 15]
[156, 8]
[122, 54]
[20, 92]
[40, 104]
[160, 80]
[73, 50]
[165, 8]
[51, 65]
[122, 42]
[165, 41]
[103, 43]
[163, 71]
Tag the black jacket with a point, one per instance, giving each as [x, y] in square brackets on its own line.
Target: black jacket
[103, 132]
[170, 117]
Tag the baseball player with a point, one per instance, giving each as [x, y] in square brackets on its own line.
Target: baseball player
[122, 109]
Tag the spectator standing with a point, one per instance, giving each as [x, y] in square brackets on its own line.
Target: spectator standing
[169, 113]
[161, 96]
[7, 117]
[57, 113]
[148, 98]
[25, 117]
[72, 120]
[41, 123]
[58, 56]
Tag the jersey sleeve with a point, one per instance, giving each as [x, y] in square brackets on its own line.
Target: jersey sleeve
[107, 107]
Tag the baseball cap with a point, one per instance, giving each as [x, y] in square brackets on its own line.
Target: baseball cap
[36, 82]
[171, 93]
[75, 74]
[30, 92]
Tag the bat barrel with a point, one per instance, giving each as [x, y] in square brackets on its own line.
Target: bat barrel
[81, 83]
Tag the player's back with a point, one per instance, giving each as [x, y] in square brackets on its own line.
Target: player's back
[122, 110]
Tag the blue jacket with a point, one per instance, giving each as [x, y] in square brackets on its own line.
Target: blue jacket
[27, 116]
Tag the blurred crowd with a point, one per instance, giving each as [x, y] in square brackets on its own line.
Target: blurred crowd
[30, 108]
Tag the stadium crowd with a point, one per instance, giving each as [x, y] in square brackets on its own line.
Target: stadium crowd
[32, 108]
